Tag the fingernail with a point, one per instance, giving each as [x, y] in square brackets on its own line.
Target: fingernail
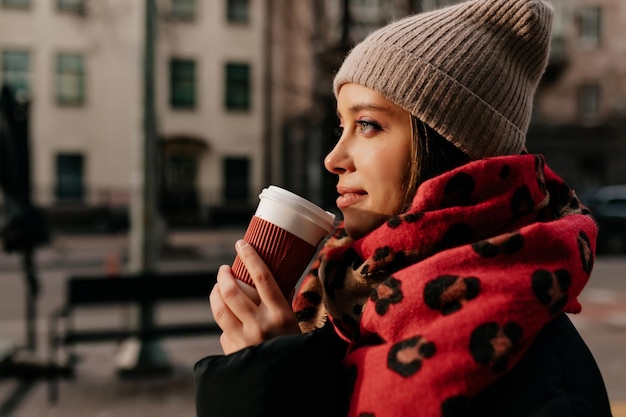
[241, 244]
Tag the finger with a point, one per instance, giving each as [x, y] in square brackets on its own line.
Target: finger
[240, 304]
[262, 277]
[222, 314]
[250, 291]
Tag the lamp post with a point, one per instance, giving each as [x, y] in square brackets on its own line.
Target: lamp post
[137, 357]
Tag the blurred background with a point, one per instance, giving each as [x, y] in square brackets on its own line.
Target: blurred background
[138, 134]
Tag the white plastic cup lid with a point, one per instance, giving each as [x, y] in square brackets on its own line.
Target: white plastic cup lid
[295, 214]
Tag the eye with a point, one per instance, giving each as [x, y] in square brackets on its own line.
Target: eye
[368, 127]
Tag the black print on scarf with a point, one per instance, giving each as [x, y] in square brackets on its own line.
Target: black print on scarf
[386, 294]
[455, 406]
[550, 288]
[507, 244]
[385, 262]
[412, 217]
[396, 221]
[569, 203]
[458, 191]
[380, 254]
[491, 345]
[406, 357]
[335, 272]
[505, 172]
[521, 202]
[367, 415]
[351, 258]
[334, 278]
[457, 235]
[313, 300]
[586, 254]
[448, 293]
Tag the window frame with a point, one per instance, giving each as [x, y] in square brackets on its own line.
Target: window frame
[76, 77]
[233, 14]
[17, 4]
[180, 13]
[234, 99]
[590, 26]
[178, 81]
[77, 6]
[7, 74]
[69, 187]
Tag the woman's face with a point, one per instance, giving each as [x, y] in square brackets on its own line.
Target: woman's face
[372, 158]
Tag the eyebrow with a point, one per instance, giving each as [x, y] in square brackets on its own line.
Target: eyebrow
[365, 106]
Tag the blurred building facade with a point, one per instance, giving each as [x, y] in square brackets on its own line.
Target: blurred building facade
[244, 97]
[580, 112]
[79, 62]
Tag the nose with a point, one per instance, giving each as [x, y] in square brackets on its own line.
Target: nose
[339, 159]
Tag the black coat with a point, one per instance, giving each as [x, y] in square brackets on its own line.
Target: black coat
[301, 375]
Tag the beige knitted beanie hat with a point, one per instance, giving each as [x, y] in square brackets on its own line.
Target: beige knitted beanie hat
[469, 71]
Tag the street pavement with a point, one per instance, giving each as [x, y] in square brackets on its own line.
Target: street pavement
[97, 390]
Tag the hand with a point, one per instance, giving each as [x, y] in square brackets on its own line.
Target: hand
[250, 315]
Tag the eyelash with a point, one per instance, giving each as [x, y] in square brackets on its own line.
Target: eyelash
[368, 125]
[365, 126]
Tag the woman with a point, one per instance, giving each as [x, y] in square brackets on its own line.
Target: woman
[444, 290]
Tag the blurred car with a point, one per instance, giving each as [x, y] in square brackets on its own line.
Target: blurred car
[608, 206]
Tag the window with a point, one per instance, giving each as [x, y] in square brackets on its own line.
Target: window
[69, 177]
[70, 79]
[237, 86]
[182, 83]
[183, 9]
[590, 26]
[16, 3]
[238, 11]
[236, 177]
[77, 6]
[15, 71]
[589, 101]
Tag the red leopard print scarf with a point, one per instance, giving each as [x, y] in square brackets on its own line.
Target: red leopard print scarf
[444, 298]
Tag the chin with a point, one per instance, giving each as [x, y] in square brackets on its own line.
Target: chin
[358, 228]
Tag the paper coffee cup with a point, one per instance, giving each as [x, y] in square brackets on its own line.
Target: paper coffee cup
[285, 230]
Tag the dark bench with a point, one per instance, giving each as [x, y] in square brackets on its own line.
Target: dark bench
[142, 290]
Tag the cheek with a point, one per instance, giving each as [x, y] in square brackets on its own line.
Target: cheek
[394, 183]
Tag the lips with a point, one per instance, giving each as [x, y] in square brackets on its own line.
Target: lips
[349, 197]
